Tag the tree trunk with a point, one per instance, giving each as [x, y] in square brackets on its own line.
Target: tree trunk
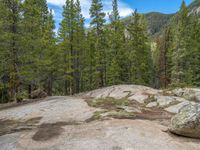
[50, 85]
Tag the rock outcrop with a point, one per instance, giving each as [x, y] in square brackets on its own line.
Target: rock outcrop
[104, 119]
[187, 121]
[171, 101]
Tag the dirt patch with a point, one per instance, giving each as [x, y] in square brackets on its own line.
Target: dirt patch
[160, 116]
[153, 115]
[12, 126]
[48, 131]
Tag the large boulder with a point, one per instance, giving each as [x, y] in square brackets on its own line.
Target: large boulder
[187, 121]
[38, 94]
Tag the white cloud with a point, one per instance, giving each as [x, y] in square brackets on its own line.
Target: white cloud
[53, 12]
[124, 8]
[56, 2]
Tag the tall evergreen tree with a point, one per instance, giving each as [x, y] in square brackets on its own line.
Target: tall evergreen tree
[71, 35]
[140, 59]
[35, 15]
[116, 55]
[49, 53]
[179, 76]
[97, 16]
[164, 60]
[115, 12]
[97, 24]
[64, 32]
[80, 48]
[193, 53]
[10, 29]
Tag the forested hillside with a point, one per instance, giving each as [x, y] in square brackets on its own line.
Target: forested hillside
[177, 52]
[33, 56]
[155, 21]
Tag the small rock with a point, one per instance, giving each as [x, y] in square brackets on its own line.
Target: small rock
[187, 121]
[130, 109]
[152, 104]
[139, 97]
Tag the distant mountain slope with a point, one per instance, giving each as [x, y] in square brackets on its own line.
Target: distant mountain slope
[155, 20]
[194, 7]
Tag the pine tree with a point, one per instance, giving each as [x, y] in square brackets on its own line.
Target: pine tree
[97, 24]
[97, 16]
[179, 76]
[193, 53]
[64, 32]
[71, 35]
[90, 71]
[35, 16]
[80, 48]
[164, 62]
[115, 12]
[116, 54]
[10, 22]
[49, 52]
[140, 59]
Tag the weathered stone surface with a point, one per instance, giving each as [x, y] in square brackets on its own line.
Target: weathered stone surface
[164, 101]
[52, 109]
[68, 117]
[139, 97]
[176, 108]
[121, 91]
[107, 135]
[187, 121]
[192, 94]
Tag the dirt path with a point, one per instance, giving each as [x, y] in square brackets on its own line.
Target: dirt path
[59, 124]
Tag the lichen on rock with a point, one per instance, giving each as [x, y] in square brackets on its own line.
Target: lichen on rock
[187, 121]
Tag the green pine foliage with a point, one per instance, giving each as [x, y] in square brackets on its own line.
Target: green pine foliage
[140, 58]
[179, 58]
[10, 29]
[179, 51]
[71, 37]
[97, 15]
[116, 55]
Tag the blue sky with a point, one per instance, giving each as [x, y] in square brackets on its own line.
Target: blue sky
[126, 7]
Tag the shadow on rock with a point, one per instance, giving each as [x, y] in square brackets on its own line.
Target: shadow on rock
[48, 131]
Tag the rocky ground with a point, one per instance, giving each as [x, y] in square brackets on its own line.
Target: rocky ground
[124, 117]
